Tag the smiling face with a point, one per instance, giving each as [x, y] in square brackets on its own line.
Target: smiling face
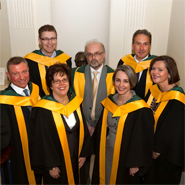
[48, 46]
[19, 74]
[122, 84]
[60, 85]
[95, 55]
[159, 73]
[141, 46]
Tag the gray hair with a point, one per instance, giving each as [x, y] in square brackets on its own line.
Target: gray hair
[94, 41]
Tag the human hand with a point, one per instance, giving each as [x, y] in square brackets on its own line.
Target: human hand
[133, 171]
[81, 161]
[55, 172]
[155, 155]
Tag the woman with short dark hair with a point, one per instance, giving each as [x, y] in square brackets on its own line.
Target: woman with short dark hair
[167, 101]
[60, 138]
[123, 137]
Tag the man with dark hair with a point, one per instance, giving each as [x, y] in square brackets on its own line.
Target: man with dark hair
[140, 60]
[40, 60]
[15, 104]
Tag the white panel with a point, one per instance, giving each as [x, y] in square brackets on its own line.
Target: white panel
[41, 15]
[125, 18]
[157, 21]
[134, 16]
[79, 21]
[21, 25]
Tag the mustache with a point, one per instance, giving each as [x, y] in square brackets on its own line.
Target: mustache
[94, 60]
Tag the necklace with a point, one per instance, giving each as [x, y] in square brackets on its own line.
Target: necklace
[66, 102]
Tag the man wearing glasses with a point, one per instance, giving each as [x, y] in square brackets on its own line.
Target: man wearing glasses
[92, 82]
[40, 60]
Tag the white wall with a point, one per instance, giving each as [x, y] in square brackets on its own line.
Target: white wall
[127, 16]
[176, 41]
[113, 22]
[79, 21]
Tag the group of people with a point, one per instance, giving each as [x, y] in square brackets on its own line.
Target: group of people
[92, 124]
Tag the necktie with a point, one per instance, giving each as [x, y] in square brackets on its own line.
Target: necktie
[95, 87]
[26, 92]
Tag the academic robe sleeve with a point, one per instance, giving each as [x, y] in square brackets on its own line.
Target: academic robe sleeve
[140, 145]
[45, 147]
[169, 135]
[5, 131]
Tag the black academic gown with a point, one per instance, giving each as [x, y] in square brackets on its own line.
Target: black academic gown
[136, 146]
[169, 142]
[34, 70]
[45, 147]
[10, 136]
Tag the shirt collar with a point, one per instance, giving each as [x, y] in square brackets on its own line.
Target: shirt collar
[17, 89]
[52, 56]
[141, 60]
[99, 70]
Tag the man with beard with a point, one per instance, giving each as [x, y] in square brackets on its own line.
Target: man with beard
[93, 82]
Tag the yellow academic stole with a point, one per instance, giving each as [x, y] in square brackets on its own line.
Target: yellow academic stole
[117, 111]
[163, 98]
[46, 61]
[79, 84]
[58, 109]
[17, 102]
[138, 67]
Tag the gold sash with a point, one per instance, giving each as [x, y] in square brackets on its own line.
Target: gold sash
[117, 111]
[163, 98]
[58, 109]
[46, 61]
[22, 100]
[17, 102]
[79, 84]
[138, 67]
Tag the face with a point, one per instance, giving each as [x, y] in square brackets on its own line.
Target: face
[49, 44]
[19, 74]
[60, 85]
[121, 83]
[94, 55]
[141, 46]
[159, 73]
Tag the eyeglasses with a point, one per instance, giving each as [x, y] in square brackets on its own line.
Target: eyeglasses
[53, 39]
[90, 55]
[57, 82]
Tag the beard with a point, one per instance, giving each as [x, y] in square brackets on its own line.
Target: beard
[95, 64]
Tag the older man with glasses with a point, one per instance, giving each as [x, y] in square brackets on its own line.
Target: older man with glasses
[40, 60]
[93, 82]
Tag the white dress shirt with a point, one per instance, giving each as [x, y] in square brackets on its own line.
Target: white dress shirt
[140, 73]
[99, 73]
[19, 90]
